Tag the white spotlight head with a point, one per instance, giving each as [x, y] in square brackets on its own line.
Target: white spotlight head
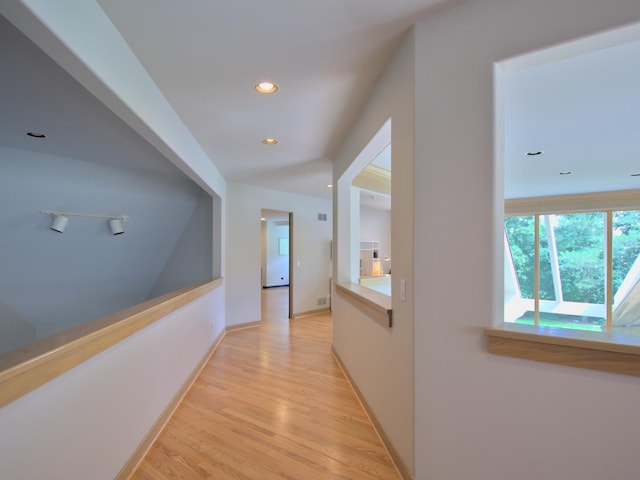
[59, 223]
[116, 225]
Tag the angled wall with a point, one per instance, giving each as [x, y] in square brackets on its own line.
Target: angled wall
[16, 331]
[191, 260]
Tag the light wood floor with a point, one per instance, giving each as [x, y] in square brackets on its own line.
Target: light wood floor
[272, 403]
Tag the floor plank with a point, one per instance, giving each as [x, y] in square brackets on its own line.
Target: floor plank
[272, 403]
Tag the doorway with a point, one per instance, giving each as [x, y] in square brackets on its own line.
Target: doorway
[277, 253]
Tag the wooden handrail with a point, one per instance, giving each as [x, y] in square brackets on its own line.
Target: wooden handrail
[26, 368]
[377, 305]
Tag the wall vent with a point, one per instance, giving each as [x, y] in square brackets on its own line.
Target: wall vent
[322, 217]
[322, 301]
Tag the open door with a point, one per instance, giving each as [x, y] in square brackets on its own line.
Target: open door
[277, 263]
[290, 264]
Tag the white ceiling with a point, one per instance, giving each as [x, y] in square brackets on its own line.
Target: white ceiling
[326, 57]
[582, 112]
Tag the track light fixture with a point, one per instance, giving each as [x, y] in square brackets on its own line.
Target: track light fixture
[59, 223]
[116, 225]
[61, 219]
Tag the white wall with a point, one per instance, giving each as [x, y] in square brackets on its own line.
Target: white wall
[87, 422]
[311, 240]
[375, 225]
[277, 266]
[478, 415]
[380, 360]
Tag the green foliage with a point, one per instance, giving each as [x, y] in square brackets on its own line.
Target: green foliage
[520, 235]
[626, 244]
[520, 232]
[580, 242]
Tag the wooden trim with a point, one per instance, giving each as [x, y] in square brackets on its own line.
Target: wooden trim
[242, 326]
[291, 269]
[609, 270]
[536, 270]
[151, 436]
[26, 368]
[375, 304]
[375, 179]
[607, 352]
[401, 467]
[309, 313]
[575, 203]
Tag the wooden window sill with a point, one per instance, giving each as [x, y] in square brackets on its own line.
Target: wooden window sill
[375, 304]
[26, 368]
[615, 353]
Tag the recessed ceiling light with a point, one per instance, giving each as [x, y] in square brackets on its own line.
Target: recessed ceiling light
[266, 87]
[262, 219]
[568, 172]
[36, 135]
[329, 186]
[269, 141]
[534, 154]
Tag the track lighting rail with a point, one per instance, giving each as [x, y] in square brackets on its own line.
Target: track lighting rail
[61, 219]
[123, 218]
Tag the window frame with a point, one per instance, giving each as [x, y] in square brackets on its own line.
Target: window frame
[616, 353]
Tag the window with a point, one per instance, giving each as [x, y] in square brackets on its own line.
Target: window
[574, 270]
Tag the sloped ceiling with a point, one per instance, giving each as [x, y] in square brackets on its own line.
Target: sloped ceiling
[325, 55]
[376, 193]
[38, 96]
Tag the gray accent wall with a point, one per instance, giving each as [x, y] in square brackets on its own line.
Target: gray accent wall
[14, 330]
[55, 281]
[192, 258]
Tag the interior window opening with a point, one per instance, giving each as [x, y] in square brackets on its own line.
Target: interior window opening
[373, 187]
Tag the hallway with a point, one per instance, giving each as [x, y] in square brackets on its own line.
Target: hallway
[272, 403]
